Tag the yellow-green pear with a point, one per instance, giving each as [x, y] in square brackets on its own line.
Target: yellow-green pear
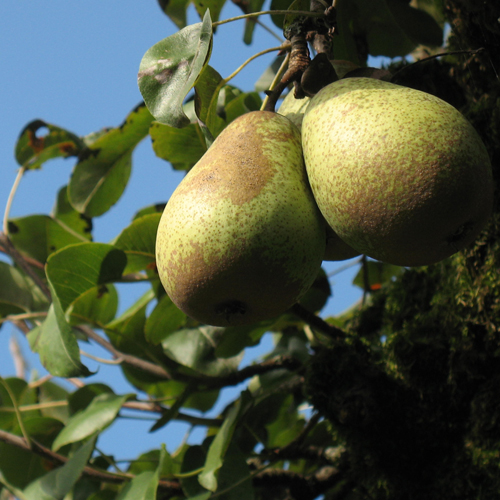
[398, 174]
[294, 110]
[242, 239]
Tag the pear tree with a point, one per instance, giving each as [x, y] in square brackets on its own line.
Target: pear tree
[397, 398]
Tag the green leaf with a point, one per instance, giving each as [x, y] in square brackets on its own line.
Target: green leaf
[15, 293]
[182, 147]
[377, 273]
[95, 418]
[234, 476]
[170, 68]
[38, 236]
[207, 103]
[73, 221]
[419, 25]
[23, 394]
[253, 6]
[76, 269]
[278, 19]
[195, 348]
[138, 242]
[236, 338]
[176, 11]
[102, 172]
[56, 344]
[193, 460]
[20, 467]
[212, 6]
[58, 483]
[97, 306]
[221, 442]
[32, 150]
[157, 208]
[287, 426]
[144, 485]
[392, 28]
[164, 320]
[244, 103]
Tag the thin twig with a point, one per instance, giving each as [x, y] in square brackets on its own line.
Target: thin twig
[88, 471]
[127, 359]
[317, 323]
[264, 12]
[10, 199]
[11, 250]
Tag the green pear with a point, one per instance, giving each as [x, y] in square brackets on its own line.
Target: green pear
[293, 108]
[398, 174]
[242, 239]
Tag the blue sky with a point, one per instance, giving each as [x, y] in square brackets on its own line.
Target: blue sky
[74, 64]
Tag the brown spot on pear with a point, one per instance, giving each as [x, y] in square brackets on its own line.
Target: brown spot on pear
[398, 174]
[242, 239]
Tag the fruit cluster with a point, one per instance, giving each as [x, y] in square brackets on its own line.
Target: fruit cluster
[363, 167]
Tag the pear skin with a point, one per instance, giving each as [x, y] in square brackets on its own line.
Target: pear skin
[398, 174]
[242, 239]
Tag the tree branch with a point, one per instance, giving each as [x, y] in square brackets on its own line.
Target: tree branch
[56, 458]
[286, 362]
[10, 249]
[317, 323]
[127, 359]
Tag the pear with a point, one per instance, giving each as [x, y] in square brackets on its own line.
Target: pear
[241, 238]
[294, 110]
[398, 174]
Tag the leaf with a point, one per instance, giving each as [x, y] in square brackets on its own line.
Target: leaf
[71, 220]
[170, 68]
[32, 150]
[103, 169]
[138, 242]
[59, 482]
[212, 6]
[206, 101]
[76, 269]
[377, 273]
[164, 320]
[144, 485]
[38, 236]
[195, 348]
[97, 306]
[20, 467]
[23, 394]
[182, 147]
[244, 103]
[15, 293]
[234, 476]
[193, 460]
[236, 338]
[176, 11]
[95, 418]
[419, 25]
[278, 19]
[56, 344]
[392, 29]
[221, 442]
[253, 6]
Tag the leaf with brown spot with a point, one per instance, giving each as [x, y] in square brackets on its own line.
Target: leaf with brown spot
[170, 68]
[34, 149]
